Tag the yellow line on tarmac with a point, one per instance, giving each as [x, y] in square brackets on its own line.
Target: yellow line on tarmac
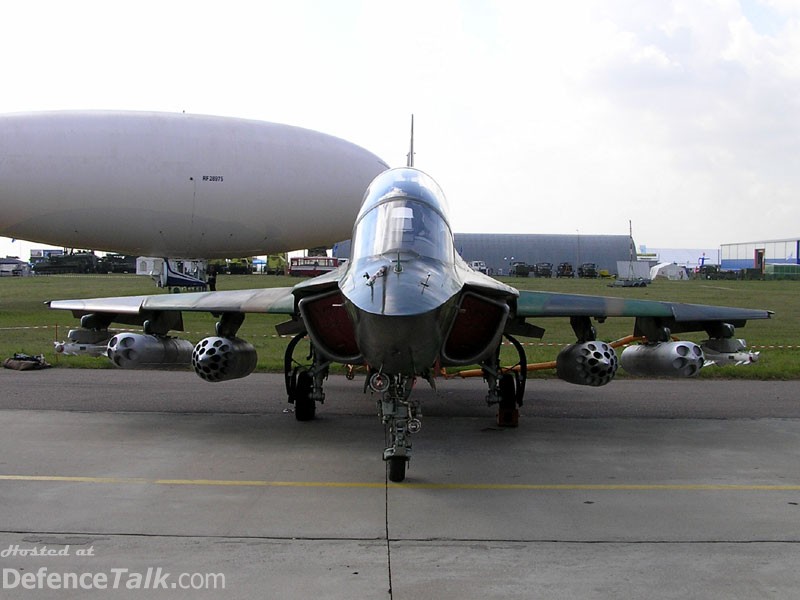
[601, 487]
[58, 478]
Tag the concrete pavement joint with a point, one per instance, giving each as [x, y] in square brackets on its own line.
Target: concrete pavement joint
[432, 540]
[409, 486]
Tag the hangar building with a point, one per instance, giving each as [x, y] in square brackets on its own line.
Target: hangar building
[499, 250]
[756, 255]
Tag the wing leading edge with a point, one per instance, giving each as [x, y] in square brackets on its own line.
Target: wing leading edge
[164, 312]
[267, 300]
[678, 317]
[548, 304]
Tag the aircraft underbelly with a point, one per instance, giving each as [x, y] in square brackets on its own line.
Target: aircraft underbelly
[408, 344]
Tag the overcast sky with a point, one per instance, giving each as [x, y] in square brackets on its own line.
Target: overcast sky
[535, 117]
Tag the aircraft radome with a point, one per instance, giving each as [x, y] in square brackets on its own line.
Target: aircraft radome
[405, 306]
[176, 185]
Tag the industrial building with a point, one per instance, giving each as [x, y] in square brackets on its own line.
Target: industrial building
[757, 255]
[691, 258]
[499, 250]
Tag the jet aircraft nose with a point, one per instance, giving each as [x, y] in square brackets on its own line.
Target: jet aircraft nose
[402, 285]
[401, 314]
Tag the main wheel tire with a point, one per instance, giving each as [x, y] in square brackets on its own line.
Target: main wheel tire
[508, 391]
[305, 409]
[507, 411]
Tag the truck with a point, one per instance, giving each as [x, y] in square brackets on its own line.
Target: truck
[231, 266]
[714, 272]
[240, 266]
[543, 269]
[116, 263]
[520, 269]
[565, 270]
[76, 262]
[587, 270]
[478, 265]
[275, 264]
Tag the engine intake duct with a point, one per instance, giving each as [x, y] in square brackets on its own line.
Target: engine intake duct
[222, 359]
[667, 359]
[587, 363]
[143, 351]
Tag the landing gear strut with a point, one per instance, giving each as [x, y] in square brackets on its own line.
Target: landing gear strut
[304, 382]
[401, 419]
[506, 385]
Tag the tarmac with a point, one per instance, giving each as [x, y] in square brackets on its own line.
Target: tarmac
[642, 488]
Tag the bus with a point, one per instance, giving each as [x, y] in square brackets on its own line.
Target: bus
[311, 266]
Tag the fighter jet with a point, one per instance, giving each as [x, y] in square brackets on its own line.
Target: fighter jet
[405, 306]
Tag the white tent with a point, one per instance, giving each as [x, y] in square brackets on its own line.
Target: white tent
[668, 271]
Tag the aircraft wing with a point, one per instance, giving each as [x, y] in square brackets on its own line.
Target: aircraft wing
[133, 309]
[678, 317]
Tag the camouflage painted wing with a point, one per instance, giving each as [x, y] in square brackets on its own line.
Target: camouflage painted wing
[167, 308]
[676, 316]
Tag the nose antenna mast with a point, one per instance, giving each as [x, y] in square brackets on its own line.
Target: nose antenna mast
[410, 155]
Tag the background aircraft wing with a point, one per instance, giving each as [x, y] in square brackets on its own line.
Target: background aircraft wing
[679, 317]
[267, 300]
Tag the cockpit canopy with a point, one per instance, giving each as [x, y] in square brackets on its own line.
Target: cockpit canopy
[403, 211]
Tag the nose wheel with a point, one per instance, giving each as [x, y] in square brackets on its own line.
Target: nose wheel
[396, 466]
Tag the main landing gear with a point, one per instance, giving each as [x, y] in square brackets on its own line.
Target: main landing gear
[401, 418]
[304, 382]
[400, 413]
[506, 385]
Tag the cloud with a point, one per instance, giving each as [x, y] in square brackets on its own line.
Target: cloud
[550, 117]
[692, 112]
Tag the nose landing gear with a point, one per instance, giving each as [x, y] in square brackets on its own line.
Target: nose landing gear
[401, 419]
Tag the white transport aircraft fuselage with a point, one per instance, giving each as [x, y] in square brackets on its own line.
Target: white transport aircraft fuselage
[176, 185]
